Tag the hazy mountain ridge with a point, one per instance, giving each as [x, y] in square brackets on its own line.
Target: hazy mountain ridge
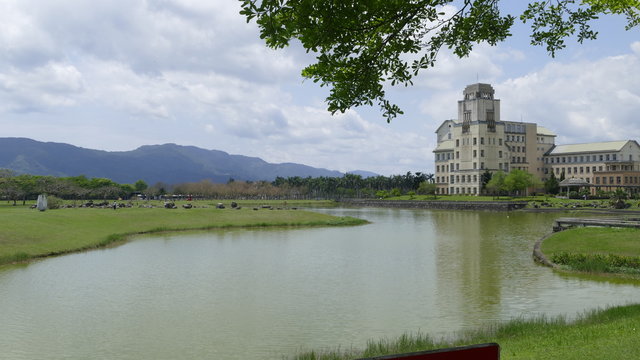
[168, 163]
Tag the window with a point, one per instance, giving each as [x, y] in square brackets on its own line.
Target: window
[475, 141]
[611, 180]
[481, 153]
[569, 170]
[581, 158]
[614, 157]
[618, 180]
[601, 158]
[466, 122]
[500, 154]
[457, 166]
[475, 166]
[491, 121]
[597, 180]
[475, 153]
[457, 154]
[500, 143]
[481, 141]
[457, 142]
[607, 157]
[481, 165]
[587, 169]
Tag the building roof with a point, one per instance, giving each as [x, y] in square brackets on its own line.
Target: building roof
[544, 131]
[446, 145]
[573, 182]
[445, 123]
[589, 147]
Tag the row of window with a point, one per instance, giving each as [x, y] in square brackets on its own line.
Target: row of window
[578, 170]
[457, 190]
[515, 128]
[445, 168]
[616, 180]
[467, 141]
[515, 138]
[458, 178]
[444, 156]
[583, 158]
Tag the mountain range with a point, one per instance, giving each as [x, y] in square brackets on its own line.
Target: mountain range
[168, 163]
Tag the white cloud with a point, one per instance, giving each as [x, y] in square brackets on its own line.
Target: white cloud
[583, 101]
[48, 86]
[194, 72]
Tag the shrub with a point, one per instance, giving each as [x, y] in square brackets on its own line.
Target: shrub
[54, 202]
[596, 262]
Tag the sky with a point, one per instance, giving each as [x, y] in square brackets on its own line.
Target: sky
[115, 75]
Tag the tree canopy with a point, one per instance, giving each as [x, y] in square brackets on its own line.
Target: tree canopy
[361, 45]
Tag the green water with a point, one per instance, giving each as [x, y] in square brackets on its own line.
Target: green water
[265, 294]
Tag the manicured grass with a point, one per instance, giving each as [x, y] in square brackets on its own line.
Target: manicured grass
[594, 240]
[605, 334]
[27, 233]
[595, 250]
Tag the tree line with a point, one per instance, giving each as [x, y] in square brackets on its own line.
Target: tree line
[23, 187]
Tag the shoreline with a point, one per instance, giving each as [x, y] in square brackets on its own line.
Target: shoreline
[71, 231]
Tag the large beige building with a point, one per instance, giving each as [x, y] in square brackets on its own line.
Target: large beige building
[478, 141]
[604, 165]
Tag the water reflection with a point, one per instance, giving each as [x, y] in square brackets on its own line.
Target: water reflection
[256, 294]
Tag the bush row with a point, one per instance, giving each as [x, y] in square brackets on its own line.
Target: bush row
[597, 262]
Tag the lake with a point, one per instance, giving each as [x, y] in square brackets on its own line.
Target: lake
[269, 293]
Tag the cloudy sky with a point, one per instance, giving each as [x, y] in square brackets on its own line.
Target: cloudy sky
[115, 75]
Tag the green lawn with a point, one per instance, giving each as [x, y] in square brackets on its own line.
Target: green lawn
[551, 200]
[27, 233]
[607, 334]
[594, 240]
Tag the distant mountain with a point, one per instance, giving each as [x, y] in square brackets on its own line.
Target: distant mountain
[365, 174]
[169, 163]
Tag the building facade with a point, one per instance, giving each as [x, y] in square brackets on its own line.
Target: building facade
[478, 141]
[605, 165]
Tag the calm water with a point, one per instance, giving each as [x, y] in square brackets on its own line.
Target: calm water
[265, 294]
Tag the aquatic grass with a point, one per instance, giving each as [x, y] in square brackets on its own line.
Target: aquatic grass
[610, 333]
[28, 234]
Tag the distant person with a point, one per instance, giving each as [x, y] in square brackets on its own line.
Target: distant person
[115, 205]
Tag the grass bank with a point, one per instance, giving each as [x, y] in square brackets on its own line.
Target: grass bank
[595, 250]
[540, 201]
[27, 233]
[603, 334]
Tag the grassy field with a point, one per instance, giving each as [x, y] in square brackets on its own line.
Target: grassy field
[594, 240]
[596, 250]
[605, 334]
[27, 233]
